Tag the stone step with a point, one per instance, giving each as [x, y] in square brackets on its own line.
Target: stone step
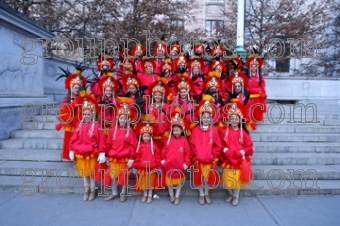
[296, 137]
[12, 168]
[287, 172]
[45, 118]
[296, 147]
[36, 143]
[46, 125]
[259, 147]
[37, 134]
[297, 122]
[296, 129]
[65, 185]
[331, 122]
[261, 172]
[274, 137]
[258, 158]
[295, 158]
[40, 155]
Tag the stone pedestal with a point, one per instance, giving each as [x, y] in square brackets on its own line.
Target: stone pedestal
[21, 69]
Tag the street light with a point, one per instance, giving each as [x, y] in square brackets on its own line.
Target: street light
[239, 50]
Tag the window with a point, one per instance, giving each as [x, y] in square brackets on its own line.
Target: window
[283, 62]
[213, 26]
[215, 1]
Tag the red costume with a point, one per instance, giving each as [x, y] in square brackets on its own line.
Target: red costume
[205, 145]
[121, 144]
[256, 87]
[87, 140]
[144, 154]
[175, 154]
[69, 115]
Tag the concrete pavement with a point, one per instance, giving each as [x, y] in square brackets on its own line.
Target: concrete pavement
[69, 209]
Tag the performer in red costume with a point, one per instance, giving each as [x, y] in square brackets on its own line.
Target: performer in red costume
[69, 115]
[256, 87]
[131, 88]
[159, 52]
[237, 147]
[137, 53]
[196, 75]
[183, 98]
[176, 156]
[158, 108]
[147, 75]
[205, 148]
[108, 101]
[199, 51]
[105, 65]
[147, 161]
[87, 145]
[121, 146]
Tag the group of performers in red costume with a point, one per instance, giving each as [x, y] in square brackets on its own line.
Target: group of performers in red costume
[160, 117]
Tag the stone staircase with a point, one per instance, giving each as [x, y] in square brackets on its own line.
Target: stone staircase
[290, 158]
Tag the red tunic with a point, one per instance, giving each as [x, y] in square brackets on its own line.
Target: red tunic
[107, 109]
[175, 155]
[257, 95]
[147, 79]
[186, 107]
[234, 143]
[205, 145]
[68, 119]
[158, 66]
[123, 145]
[160, 115]
[144, 154]
[85, 139]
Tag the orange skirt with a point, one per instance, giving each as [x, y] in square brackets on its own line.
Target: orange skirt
[145, 180]
[174, 182]
[205, 169]
[231, 178]
[85, 166]
[116, 168]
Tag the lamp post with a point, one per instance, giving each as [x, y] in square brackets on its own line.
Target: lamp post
[239, 50]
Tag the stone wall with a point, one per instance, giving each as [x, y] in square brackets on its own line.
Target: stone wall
[55, 90]
[19, 83]
[319, 90]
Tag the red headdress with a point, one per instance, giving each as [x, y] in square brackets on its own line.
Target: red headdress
[167, 66]
[218, 66]
[217, 50]
[75, 78]
[125, 108]
[174, 48]
[213, 80]
[130, 79]
[159, 50]
[88, 102]
[159, 87]
[128, 65]
[181, 59]
[108, 81]
[235, 109]
[199, 49]
[184, 82]
[150, 127]
[105, 60]
[147, 62]
[234, 63]
[178, 119]
[254, 62]
[138, 50]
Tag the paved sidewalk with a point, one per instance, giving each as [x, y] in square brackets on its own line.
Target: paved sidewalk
[69, 209]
